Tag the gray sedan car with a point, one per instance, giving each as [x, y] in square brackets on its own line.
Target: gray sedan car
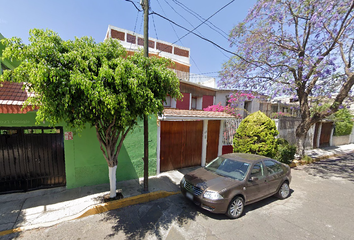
[231, 181]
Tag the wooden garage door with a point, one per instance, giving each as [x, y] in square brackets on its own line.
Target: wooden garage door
[181, 144]
[325, 134]
[213, 140]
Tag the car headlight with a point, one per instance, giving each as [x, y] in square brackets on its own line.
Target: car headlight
[212, 195]
[183, 181]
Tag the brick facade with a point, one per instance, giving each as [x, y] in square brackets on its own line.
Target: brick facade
[131, 38]
[141, 42]
[118, 35]
[164, 47]
[181, 52]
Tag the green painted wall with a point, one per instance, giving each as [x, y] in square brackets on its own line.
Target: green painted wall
[84, 161]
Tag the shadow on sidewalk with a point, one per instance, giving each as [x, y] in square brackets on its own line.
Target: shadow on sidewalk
[11, 215]
[152, 218]
[342, 167]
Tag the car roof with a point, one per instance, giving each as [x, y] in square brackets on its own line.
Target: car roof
[244, 157]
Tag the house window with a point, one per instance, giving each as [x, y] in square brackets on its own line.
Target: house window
[194, 103]
[167, 103]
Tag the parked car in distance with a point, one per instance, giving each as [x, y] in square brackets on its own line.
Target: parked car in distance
[234, 180]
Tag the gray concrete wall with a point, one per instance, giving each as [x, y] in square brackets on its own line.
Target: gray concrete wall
[286, 127]
[340, 140]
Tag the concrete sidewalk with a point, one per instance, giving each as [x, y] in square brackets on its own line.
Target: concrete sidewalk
[323, 153]
[43, 208]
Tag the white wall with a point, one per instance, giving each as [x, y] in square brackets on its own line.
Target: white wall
[220, 97]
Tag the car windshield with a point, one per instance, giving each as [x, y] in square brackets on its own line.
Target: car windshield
[228, 168]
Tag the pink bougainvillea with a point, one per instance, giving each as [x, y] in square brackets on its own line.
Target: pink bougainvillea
[234, 100]
[220, 108]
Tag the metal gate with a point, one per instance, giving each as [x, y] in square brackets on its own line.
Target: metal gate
[31, 158]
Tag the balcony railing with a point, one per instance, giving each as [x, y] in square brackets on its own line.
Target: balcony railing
[196, 78]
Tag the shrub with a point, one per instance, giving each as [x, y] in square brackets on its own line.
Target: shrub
[342, 118]
[256, 134]
[344, 123]
[307, 159]
[286, 151]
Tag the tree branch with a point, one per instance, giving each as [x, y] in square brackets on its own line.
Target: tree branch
[121, 142]
[101, 147]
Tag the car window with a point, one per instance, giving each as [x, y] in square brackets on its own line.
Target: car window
[273, 167]
[257, 171]
[228, 168]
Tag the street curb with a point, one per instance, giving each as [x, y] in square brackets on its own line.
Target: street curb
[147, 197]
[99, 208]
[317, 159]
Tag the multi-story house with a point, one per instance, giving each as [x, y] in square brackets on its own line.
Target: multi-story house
[186, 135]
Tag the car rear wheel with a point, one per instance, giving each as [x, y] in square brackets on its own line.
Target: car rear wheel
[284, 191]
[236, 206]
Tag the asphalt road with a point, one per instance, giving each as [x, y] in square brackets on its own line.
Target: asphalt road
[321, 206]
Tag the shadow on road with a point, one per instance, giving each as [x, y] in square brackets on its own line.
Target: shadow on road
[248, 208]
[342, 167]
[153, 218]
[10, 220]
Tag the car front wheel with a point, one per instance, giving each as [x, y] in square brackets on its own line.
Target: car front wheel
[284, 191]
[235, 209]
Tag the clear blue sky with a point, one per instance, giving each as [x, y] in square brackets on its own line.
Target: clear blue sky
[79, 18]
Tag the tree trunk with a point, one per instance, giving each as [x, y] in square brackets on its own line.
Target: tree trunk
[301, 134]
[112, 181]
[300, 145]
[111, 141]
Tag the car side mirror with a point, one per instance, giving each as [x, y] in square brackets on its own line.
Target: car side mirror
[253, 179]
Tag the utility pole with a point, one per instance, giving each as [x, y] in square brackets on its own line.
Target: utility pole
[145, 5]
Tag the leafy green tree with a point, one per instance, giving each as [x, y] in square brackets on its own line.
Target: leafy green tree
[343, 119]
[302, 48]
[81, 82]
[343, 122]
[256, 134]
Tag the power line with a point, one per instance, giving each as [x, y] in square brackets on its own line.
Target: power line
[196, 15]
[191, 31]
[153, 20]
[199, 17]
[208, 73]
[176, 31]
[134, 5]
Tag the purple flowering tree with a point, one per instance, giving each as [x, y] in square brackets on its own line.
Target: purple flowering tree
[295, 47]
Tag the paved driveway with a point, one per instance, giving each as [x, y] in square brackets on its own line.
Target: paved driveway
[321, 206]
